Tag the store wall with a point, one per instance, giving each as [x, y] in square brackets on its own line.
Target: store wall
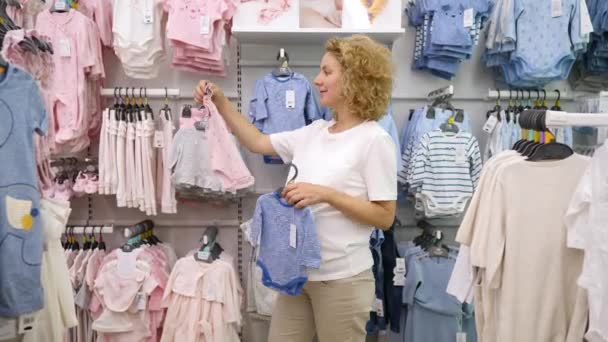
[184, 229]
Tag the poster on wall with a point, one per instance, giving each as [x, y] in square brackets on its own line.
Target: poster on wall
[350, 14]
[321, 13]
[267, 13]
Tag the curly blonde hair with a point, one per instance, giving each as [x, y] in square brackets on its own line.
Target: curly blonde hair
[367, 74]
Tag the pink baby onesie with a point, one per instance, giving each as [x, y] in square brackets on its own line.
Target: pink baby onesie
[226, 160]
[74, 60]
[187, 17]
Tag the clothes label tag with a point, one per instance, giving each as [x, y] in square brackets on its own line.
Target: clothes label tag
[159, 139]
[148, 11]
[293, 230]
[490, 124]
[586, 25]
[399, 279]
[141, 301]
[290, 99]
[461, 156]
[556, 8]
[64, 48]
[26, 323]
[204, 24]
[461, 337]
[400, 266]
[203, 255]
[60, 5]
[378, 306]
[8, 328]
[468, 17]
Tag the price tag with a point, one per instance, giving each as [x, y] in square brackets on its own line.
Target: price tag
[159, 139]
[290, 99]
[468, 17]
[378, 307]
[461, 155]
[141, 301]
[26, 323]
[60, 5]
[490, 124]
[203, 255]
[64, 48]
[204, 24]
[8, 328]
[556, 8]
[399, 279]
[461, 337]
[148, 11]
[293, 232]
[586, 25]
[400, 266]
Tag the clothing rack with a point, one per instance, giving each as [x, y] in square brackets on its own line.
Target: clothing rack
[445, 92]
[150, 92]
[506, 94]
[90, 229]
[157, 93]
[555, 119]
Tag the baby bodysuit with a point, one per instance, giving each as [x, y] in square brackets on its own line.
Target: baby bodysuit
[288, 244]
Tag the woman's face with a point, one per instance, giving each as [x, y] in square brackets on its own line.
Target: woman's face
[329, 81]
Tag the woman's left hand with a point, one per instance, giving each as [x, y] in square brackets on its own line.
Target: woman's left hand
[301, 195]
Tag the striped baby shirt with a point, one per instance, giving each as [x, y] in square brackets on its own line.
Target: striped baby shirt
[447, 168]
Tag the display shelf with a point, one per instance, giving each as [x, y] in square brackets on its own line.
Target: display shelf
[308, 36]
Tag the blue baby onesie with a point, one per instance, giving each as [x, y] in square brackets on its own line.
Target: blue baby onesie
[21, 113]
[282, 103]
[283, 266]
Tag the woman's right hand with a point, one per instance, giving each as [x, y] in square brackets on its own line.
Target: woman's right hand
[218, 96]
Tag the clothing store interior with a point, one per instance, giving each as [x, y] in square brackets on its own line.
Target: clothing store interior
[348, 173]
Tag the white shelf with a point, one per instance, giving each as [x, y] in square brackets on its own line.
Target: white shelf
[307, 36]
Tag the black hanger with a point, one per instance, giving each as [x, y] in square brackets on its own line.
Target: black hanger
[166, 107]
[544, 103]
[550, 151]
[520, 107]
[537, 101]
[210, 249]
[557, 105]
[282, 68]
[147, 106]
[279, 191]
[528, 102]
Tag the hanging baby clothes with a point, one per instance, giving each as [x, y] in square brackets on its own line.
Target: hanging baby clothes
[585, 220]
[282, 103]
[513, 281]
[58, 313]
[532, 43]
[40, 65]
[138, 37]
[204, 159]
[284, 257]
[75, 80]
[203, 302]
[21, 252]
[127, 294]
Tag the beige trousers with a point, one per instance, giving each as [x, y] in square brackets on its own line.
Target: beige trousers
[336, 311]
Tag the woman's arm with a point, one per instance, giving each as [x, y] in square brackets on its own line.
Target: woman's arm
[379, 214]
[248, 135]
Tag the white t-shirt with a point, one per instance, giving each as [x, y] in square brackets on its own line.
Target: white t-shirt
[359, 162]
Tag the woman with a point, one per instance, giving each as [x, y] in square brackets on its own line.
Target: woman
[347, 175]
